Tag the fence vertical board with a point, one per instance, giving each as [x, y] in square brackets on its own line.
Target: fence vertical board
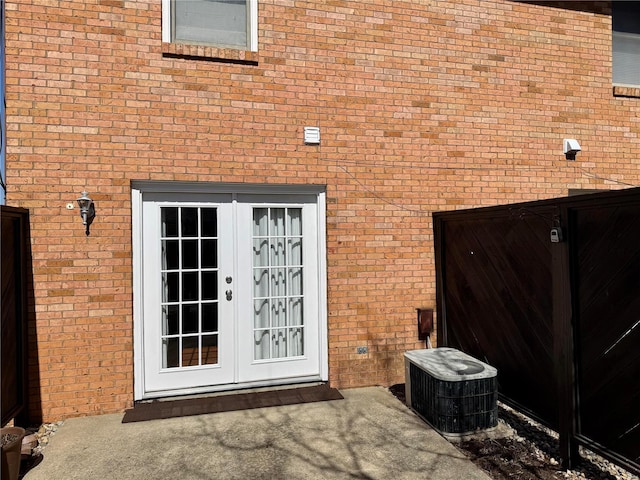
[563, 344]
[608, 334]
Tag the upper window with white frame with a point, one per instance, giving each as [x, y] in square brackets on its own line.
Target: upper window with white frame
[217, 23]
[625, 19]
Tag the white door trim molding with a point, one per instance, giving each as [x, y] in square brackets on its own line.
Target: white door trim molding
[138, 311]
[323, 326]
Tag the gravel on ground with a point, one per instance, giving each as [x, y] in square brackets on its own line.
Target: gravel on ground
[521, 448]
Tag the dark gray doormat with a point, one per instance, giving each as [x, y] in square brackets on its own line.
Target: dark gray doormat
[158, 409]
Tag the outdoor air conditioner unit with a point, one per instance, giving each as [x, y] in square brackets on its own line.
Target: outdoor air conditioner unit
[455, 393]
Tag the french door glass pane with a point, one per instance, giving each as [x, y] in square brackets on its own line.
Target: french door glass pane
[209, 286]
[278, 279]
[295, 251]
[189, 254]
[189, 274]
[171, 320]
[169, 222]
[209, 253]
[208, 222]
[170, 352]
[190, 352]
[189, 286]
[171, 283]
[260, 282]
[190, 318]
[189, 221]
[295, 310]
[210, 317]
[210, 349]
[294, 221]
[295, 341]
[276, 221]
[170, 254]
[261, 252]
[278, 282]
[279, 343]
[261, 312]
[277, 251]
[295, 281]
[260, 222]
[262, 345]
[278, 312]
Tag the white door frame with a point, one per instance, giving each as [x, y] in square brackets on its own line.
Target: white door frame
[142, 188]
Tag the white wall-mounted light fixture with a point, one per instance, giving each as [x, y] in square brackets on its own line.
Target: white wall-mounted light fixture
[87, 210]
[312, 135]
[570, 148]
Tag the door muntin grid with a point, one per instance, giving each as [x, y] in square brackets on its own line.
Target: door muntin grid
[189, 273]
[278, 323]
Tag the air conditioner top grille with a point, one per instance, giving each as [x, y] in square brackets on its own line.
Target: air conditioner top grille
[450, 365]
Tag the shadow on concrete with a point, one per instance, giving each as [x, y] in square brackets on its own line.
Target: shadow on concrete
[368, 435]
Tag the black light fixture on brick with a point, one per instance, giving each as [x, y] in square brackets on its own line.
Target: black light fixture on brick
[87, 210]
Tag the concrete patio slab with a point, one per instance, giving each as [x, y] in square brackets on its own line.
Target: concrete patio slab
[368, 435]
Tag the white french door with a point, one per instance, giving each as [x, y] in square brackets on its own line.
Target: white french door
[279, 310]
[229, 291]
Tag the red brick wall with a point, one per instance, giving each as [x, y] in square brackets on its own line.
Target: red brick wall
[423, 106]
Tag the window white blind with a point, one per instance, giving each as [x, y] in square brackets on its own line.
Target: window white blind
[216, 22]
[626, 42]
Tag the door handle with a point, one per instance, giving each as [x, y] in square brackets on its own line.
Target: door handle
[229, 294]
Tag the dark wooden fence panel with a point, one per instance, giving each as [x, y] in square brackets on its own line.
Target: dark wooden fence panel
[499, 305]
[607, 266]
[13, 317]
[560, 321]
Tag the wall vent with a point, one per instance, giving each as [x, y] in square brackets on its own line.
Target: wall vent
[455, 393]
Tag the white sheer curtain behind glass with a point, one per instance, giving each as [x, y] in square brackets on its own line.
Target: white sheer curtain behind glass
[215, 22]
[277, 275]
